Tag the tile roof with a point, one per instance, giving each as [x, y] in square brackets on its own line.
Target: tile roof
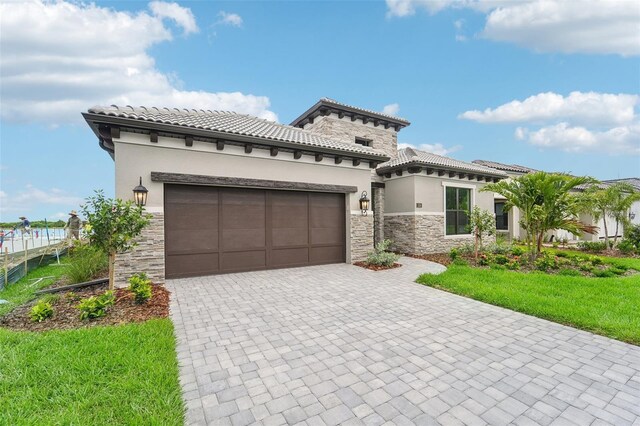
[634, 182]
[331, 103]
[233, 124]
[411, 156]
[505, 167]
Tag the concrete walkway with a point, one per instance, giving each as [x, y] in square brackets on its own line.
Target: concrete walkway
[339, 344]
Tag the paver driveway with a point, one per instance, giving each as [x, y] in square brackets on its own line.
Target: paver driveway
[340, 344]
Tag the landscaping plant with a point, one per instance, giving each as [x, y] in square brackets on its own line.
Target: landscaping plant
[96, 306]
[546, 202]
[41, 311]
[113, 226]
[380, 256]
[481, 223]
[140, 286]
[86, 262]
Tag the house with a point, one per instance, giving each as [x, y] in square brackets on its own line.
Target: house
[230, 192]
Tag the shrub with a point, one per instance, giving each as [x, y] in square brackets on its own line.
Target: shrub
[41, 311]
[501, 259]
[460, 262]
[86, 263]
[498, 248]
[380, 256]
[603, 273]
[586, 267]
[569, 272]
[617, 271]
[627, 247]
[96, 306]
[513, 265]
[545, 262]
[466, 249]
[485, 259]
[562, 254]
[454, 253]
[140, 286]
[517, 251]
[592, 246]
[632, 235]
[596, 260]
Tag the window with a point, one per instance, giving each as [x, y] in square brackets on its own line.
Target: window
[502, 216]
[363, 141]
[458, 208]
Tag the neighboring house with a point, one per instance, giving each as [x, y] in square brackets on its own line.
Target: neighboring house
[230, 192]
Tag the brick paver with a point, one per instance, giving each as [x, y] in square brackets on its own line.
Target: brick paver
[339, 344]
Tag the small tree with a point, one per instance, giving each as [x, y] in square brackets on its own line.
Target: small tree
[113, 225]
[481, 222]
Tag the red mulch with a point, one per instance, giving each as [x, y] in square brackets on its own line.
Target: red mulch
[66, 314]
[376, 267]
[441, 258]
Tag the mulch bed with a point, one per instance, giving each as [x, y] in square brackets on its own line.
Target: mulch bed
[376, 267]
[441, 258]
[67, 316]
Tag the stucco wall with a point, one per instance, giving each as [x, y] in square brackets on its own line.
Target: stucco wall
[345, 130]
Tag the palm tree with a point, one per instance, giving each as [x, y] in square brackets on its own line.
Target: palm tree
[612, 201]
[546, 202]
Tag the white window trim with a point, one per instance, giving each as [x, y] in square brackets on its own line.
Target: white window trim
[446, 185]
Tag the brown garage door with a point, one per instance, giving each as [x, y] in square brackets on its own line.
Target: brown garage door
[210, 230]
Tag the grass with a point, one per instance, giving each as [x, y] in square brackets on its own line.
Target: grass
[24, 289]
[606, 306]
[101, 375]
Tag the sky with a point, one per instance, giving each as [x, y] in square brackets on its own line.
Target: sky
[552, 85]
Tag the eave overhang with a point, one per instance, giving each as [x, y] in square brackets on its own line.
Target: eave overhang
[419, 167]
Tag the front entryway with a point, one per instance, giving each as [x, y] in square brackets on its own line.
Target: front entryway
[211, 230]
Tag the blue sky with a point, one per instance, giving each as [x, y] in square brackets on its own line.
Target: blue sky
[476, 81]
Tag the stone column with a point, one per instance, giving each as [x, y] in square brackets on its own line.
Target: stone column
[147, 256]
[361, 236]
[378, 214]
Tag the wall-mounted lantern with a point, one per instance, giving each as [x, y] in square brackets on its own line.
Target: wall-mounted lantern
[632, 215]
[140, 194]
[364, 203]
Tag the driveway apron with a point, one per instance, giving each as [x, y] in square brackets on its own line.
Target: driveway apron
[338, 344]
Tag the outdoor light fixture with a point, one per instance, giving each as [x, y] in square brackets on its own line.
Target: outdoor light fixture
[140, 194]
[632, 215]
[364, 203]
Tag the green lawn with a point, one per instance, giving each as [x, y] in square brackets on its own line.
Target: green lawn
[24, 289]
[95, 376]
[607, 306]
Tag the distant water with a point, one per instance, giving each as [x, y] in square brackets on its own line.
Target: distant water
[17, 240]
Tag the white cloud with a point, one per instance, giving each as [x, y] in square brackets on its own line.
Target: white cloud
[576, 26]
[391, 109]
[618, 140]
[59, 59]
[581, 107]
[30, 198]
[181, 15]
[436, 148]
[232, 19]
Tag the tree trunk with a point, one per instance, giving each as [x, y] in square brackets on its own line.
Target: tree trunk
[615, 237]
[112, 261]
[476, 245]
[539, 242]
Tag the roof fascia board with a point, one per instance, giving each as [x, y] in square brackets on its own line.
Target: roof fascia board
[351, 110]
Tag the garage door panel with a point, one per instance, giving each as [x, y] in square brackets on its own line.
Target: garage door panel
[332, 254]
[244, 261]
[281, 238]
[184, 216]
[192, 240]
[191, 264]
[243, 239]
[332, 235]
[282, 258]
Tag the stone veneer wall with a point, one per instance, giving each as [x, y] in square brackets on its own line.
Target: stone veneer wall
[378, 215]
[345, 130]
[361, 236]
[147, 256]
[417, 234]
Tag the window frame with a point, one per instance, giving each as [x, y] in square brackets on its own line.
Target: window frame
[472, 200]
[505, 215]
[364, 142]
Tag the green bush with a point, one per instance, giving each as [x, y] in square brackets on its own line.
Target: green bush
[546, 262]
[603, 273]
[517, 251]
[632, 236]
[140, 286]
[454, 253]
[96, 306]
[380, 256]
[586, 267]
[485, 259]
[627, 246]
[460, 262]
[513, 265]
[592, 246]
[596, 260]
[617, 271]
[498, 248]
[86, 263]
[562, 254]
[41, 311]
[501, 259]
[569, 272]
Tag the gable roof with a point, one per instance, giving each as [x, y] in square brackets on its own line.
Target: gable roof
[633, 181]
[516, 168]
[410, 157]
[325, 105]
[223, 124]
